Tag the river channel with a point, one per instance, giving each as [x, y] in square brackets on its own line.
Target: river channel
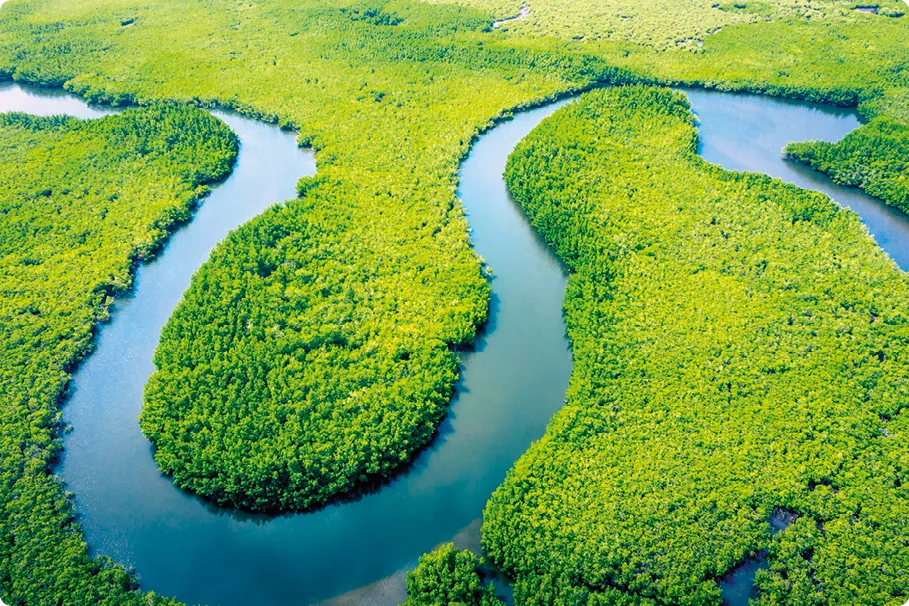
[513, 381]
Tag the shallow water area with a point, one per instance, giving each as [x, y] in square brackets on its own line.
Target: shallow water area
[512, 382]
[46, 102]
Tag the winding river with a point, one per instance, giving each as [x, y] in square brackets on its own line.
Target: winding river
[512, 383]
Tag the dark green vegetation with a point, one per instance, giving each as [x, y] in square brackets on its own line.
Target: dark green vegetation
[80, 204]
[875, 158]
[740, 348]
[448, 576]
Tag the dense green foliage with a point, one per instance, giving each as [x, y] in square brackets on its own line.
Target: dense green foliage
[818, 51]
[390, 96]
[875, 158]
[313, 351]
[80, 203]
[332, 368]
[448, 576]
[280, 386]
[740, 347]
[354, 294]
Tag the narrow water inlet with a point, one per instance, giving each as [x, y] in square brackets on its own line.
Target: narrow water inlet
[745, 132]
[737, 586]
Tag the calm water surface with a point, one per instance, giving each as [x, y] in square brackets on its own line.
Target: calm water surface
[514, 381]
[512, 384]
[747, 132]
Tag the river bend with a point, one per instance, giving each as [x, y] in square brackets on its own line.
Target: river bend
[512, 383]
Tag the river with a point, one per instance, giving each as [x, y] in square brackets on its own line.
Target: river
[512, 382]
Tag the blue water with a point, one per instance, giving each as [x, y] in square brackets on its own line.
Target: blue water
[512, 383]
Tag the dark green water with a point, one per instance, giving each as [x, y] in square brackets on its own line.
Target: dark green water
[513, 382]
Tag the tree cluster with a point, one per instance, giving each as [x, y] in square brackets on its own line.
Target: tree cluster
[874, 158]
[80, 203]
[449, 577]
[327, 350]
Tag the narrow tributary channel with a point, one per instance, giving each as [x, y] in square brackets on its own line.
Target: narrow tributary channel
[512, 383]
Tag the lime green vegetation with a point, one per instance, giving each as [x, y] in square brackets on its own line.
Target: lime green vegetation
[853, 62]
[323, 330]
[80, 203]
[875, 158]
[665, 24]
[313, 353]
[740, 348]
[449, 576]
[353, 294]
[817, 51]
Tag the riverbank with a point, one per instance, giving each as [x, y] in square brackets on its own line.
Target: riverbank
[729, 363]
[84, 202]
[443, 492]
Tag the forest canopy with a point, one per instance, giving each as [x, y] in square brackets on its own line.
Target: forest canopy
[358, 291]
[874, 158]
[740, 349]
[448, 575]
[313, 354]
[665, 24]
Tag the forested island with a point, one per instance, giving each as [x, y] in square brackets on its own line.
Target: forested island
[739, 343]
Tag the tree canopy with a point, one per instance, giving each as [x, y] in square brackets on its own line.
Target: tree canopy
[325, 327]
[874, 158]
[740, 349]
[449, 576]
